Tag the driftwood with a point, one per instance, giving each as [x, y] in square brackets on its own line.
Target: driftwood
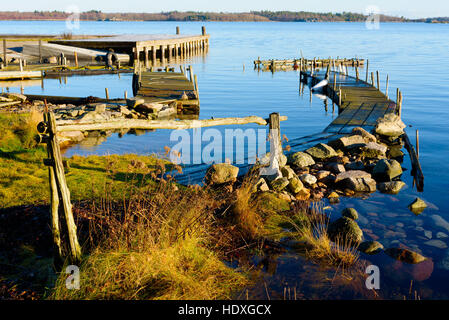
[9, 103]
[71, 100]
[416, 166]
[7, 75]
[115, 124]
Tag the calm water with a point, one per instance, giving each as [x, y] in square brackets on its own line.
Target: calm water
[414, 56]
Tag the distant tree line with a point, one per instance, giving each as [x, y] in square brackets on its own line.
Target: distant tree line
[300, 16]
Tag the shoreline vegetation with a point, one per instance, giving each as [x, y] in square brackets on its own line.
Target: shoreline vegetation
[253, 16]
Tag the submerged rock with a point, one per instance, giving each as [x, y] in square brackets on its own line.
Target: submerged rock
[345, 230]
[300, 160]
[370, 247]
[439, 222]
[436, 243]
[360, 184]
[391, 187]
[405, 255]
[221, 173]
[417, 206]
[321, 151]
[350, 213]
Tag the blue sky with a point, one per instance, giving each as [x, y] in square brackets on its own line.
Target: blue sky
[429, 8]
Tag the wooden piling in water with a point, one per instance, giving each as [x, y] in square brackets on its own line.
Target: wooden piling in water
[40, 51]
[367, 64]
[106, 90]
[177, 29]
[378, 81]
[386, 87]
[4, 53]
[417, 143]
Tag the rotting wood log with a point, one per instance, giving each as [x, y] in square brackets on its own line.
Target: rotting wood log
[416, 166]
[115, 124]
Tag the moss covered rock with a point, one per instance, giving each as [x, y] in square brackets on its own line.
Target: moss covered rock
[345, 230]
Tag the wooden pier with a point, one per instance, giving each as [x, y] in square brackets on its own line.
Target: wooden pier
[302, 63]
[148, 47]
[166, 87]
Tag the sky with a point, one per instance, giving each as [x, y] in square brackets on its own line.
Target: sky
[406, 8]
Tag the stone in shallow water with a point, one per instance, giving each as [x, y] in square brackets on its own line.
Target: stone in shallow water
[301, 160]
[360, 184]
[350, 213]
[391, 187]
[441, 235]
[356, 174]
[390, 125]
[370, 247]
[417, 206]
[373, 150]
[405, 255]
[439, 222]
[322, 151]
[386, 170]
[345, 229]
[436, 243]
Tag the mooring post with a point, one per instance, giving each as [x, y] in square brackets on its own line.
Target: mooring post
[372, 79]
[357, 73]
[386, 87]
[40, 51]
[76, 59]
[4, 53]
[177, 29]
[191, 73]
[275, 132]
[378, 81]
[339, 97]
[126, 95]
[417, 143]
[107, 93]
[203, 30]
[367, 64]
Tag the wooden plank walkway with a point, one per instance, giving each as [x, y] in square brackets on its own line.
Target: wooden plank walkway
[163, 87]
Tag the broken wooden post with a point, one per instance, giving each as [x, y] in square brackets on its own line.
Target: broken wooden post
[203, 30]
[126, 95]
[386, 87]
[58, 189]
[106, 90]
[76, 58]
[177, 29]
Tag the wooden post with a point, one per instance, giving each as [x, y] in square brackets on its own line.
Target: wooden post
[177, 29]
[334, 87]
[203, 30]
[126, 95]
[196, 85]
[4, 53]
[372, 79]
[386, 87]
[378, 81]
[145, 52]
[357, 73]
[76, 59]
[153, 54]
[339, 97]
[107, 93]
[191, 73]
[367, 64]
[40, 51]
[417, 143]
[162, 53]
[169, 49]
[275, 133]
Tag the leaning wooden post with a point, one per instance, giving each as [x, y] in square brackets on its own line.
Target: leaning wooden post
[76, 59]
[4, 53]
[417, 143]
[386, 87]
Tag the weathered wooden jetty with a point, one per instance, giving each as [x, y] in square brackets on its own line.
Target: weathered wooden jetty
[147, 46]
[168, 86]
[302, 63]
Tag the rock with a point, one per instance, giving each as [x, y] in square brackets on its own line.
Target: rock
[303, 194]
[321, 151]
[285, 196]
[444, 263]
[345, 230]
[347, 142]
[167, 111]
[355, 174]
[295, 185]
[350, 213]
[417, 206]
[365, 134]
[335, 167]
[373, 150]
[391, 187]
[266, 160]
[16, 96]
[390, 125]
[436, 243]
[322, 174]
[288, 172]
[370, 247]
[441, 235]
[134, 102]
[124, 110]
[300, 160]
[221, 173]
[395, 152]
[360, 184]
[405, 255]
[147, 108]
[261, 185]
[279, 184]
[269, 202]
[52, 59]
[356, 165]
[333, 197]
[439, 222]
[308, 179]
[387, 170]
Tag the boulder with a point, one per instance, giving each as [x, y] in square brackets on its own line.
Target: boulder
[308, 179]
[303, 194]
[350, 213]
[300, 160]
[261, 185]
[16, 96]
[345, 230]
[347, 142]
[387, 170]
[288, 172]
[335, 167]
[405, 255]
[322, 152]
[333, 197]
[279, 184]
[390, 125]
[221, 173]
[365, 134]
[266, 159]
[391, 187]
[147, 108]
[353, 174]
[295, 185]
[269, 202]
[417, 206]
[356, 165]
[134, 102]
[373, 150]
[359, 184]
[322, 174]
[395, 152]
[370, 247]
